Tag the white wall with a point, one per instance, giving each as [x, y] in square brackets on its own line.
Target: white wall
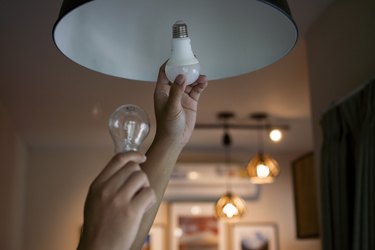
[57, 184]
[58, 181]
[276, 204]
[12, 181]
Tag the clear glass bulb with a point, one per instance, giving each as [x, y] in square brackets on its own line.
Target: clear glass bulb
[128, 126]
[182, 60]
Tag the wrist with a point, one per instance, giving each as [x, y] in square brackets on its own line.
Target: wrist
[169, 140]
[170, 143]
[87, 242]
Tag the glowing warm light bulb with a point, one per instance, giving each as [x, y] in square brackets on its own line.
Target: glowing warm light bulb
[230, 210]
[230, 206]
[128, 126]
[276, 135]
[263, 171]
[182, 60]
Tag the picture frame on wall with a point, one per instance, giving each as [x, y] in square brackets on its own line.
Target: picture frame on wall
[156, 239]
[194, 226]
[305, 197]
[253, 236]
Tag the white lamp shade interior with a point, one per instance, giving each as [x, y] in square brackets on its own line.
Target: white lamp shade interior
[132, 38]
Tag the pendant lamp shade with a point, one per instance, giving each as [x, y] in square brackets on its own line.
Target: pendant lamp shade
[230, 206]
[131, 39]
[262, 169]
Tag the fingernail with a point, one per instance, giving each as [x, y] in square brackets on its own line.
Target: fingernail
[180, 79]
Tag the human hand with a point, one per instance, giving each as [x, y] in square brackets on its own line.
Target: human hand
[115, 204]
[176, 107]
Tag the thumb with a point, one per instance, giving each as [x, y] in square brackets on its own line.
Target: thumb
[176, 93]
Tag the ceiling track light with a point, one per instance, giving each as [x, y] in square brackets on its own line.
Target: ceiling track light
[275, 130]
[262, 168]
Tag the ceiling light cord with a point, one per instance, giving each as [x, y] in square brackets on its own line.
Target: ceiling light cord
[227, 142]
[260, 137]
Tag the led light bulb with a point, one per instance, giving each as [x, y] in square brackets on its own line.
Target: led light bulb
[128, 126]
[182, 60]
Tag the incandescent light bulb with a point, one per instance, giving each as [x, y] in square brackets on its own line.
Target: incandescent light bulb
[182, 60]
[128, 126]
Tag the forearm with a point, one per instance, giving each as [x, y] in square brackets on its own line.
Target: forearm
[161, 159]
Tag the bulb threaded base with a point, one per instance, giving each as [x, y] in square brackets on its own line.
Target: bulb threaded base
[180, 29]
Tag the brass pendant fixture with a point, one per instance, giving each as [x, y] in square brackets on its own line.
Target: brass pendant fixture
[229, 205]
[262, 168]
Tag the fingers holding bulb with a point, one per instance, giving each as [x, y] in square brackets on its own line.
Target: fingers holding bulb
[191, 72]
[134, 184]
[162, 77]
[118, 162]
[197, 88]
[176, 93]
[113, 184]
[145, 198]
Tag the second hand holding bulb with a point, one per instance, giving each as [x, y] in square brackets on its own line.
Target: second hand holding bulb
[182, 60]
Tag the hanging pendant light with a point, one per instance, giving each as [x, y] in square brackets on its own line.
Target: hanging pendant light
[262, 168]
[229, 205]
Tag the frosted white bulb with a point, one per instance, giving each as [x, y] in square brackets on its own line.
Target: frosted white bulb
[263, 171]
[182, 60]
[276, 135]
[230, 210]
[128, 126]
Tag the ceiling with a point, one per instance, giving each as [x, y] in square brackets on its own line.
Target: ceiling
[55, 102]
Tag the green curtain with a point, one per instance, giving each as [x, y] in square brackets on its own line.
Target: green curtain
[348, 173]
